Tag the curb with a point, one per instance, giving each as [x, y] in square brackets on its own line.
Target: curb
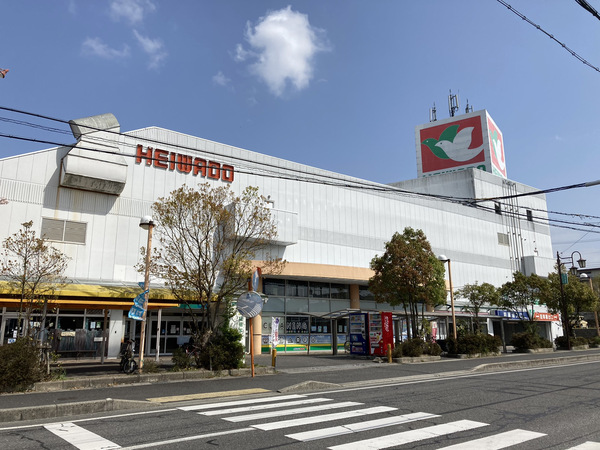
[70, 409]
[493, 367]
[145, 378]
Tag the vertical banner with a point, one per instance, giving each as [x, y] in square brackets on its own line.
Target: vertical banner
[274, 332]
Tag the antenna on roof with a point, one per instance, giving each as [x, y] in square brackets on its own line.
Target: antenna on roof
[432, 114]
[469, 108]
[453, 105]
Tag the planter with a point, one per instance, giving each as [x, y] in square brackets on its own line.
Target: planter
[474, 355]
[416, 359]
[533, 350]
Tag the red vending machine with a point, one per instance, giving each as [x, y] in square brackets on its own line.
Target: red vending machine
[381, 332]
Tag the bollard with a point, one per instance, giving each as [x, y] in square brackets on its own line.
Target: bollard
[389, 352]
[274, 357]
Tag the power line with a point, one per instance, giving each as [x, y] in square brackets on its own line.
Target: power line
[551, 36]
[585, 5]
[302, 176]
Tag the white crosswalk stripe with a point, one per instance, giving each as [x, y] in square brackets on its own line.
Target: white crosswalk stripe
[322, 418]
[306, 401]
[587, 446]
[240, 402]
[290, 412]
[80, 437]
[406, 437]
[360, 426]
[497, 441]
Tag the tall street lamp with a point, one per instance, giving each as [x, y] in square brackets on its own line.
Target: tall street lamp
[147, 224]
[563, 303]
[444, 259]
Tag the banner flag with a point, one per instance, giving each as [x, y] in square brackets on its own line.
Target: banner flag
[136, 313]
[139, 300]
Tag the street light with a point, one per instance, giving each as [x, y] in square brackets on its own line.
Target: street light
[147, 224]
[563, 303]
[584, 277]
[444, 259]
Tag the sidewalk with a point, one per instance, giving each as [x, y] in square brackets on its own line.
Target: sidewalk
[90, 386]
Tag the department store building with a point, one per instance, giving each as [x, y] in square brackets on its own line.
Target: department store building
[87, 199]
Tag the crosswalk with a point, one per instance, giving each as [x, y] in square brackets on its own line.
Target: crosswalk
[323, 421]
[293, 405]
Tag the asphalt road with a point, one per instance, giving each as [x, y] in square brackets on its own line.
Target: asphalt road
[536, 408]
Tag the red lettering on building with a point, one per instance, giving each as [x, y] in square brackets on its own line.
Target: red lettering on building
[140, 153]
[184, 163]
[163, 159]
[214, 170]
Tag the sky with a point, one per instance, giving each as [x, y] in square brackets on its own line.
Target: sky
[338, 85]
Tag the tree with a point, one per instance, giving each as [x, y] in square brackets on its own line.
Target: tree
[34, 270]
[578, 298]
[478, 295]
[409, 274]
[520, 295]
[208, 238]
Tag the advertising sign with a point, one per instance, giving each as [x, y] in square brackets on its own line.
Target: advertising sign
[274, 332]
[468, 141]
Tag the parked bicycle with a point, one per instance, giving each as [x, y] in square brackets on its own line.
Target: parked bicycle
[127, 364]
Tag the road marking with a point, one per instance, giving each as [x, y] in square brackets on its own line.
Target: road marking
[497, 441]
[240, 402]
[360, 426]
[323, 418]
[187, 439]
[80, 437]
[406, 437]
[306, 401]
[289, 412]
[589, 445]
[181, 398]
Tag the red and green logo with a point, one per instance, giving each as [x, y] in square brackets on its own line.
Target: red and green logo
[451, 145]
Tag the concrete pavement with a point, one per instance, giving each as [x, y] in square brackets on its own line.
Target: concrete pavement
[91, 387]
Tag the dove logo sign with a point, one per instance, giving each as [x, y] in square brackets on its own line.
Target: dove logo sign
[460, 143]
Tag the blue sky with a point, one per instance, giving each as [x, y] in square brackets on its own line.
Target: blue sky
[337, 85]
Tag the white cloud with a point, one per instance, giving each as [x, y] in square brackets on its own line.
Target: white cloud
[283, 45]
[221, 79]
[153, 47]
[131, 10]
[95, 46]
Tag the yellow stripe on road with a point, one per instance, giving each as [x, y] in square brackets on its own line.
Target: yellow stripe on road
[181, 398]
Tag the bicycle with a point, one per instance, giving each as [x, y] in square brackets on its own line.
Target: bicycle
[127, 364]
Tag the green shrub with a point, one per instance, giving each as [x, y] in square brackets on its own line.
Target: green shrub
[150, 366]
[20, 366]
[224, 351]
[527, 340]
[595, 341]
[397, 352]
[433, 349]
[561, 341]
[181, 360]
[471, 344]
[413, 347]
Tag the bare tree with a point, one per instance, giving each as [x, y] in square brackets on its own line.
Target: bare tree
[208, 238]
[34, 270]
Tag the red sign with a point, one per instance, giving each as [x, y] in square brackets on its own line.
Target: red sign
[496, 148]
[163, 159]
[545, 317]
[452, 144]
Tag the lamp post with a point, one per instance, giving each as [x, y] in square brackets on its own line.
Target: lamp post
[444, 259]
[563, 303]
[584, 277]
[147, 224]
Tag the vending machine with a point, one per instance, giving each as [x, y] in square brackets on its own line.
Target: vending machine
[358, 334]
[381, 332]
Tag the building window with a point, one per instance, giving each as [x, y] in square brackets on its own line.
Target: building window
[503, 239]
[295, 288]
[529, 215]
[64, 230]
[365, 294]
[498, 208]
[319, 290]
[340, 291]
[274, 287]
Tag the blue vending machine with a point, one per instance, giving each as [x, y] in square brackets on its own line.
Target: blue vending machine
[359, 334]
